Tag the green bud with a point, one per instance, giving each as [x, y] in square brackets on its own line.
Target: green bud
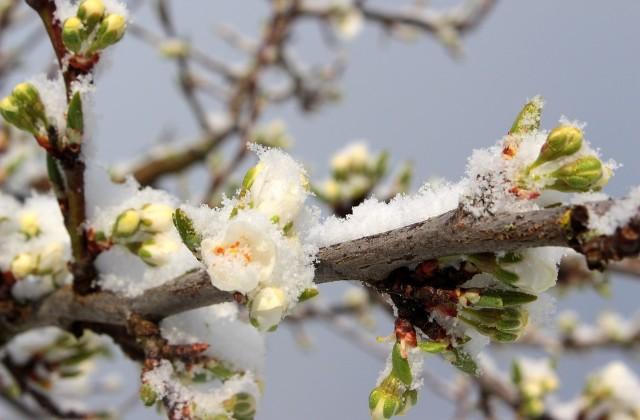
[13, 115]
[75, 119]
[463, 361]
[73, 34]
[147, 395]
[528, 119]
[110, 31]
[580, 175]
[383, 404]
[564, 140]
[504, 337]
[90, 13]
[127, 223]
[26, 98]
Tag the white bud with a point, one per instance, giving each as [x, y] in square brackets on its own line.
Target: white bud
[23, 265]
[268, 307]
[156, 217]
[157, 251]
[29, 225]
[51, 259]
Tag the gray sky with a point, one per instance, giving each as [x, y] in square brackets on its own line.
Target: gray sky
[416, 101]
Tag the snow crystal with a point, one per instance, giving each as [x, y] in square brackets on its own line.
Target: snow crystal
[618, 214]
[54, 97]
[22, 347]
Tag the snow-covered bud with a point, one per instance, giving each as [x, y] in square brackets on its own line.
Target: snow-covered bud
[73, 34]
[127, 223]
[156, 217]
[51, 259]
[157, 251]
[239, 258]
[268, 307]
[528, 120]
[29, 225]
[581, 175]
[564, 140]
[23, 264]
[277, 186]
[110, 31]
[409, 399]
[90, 13]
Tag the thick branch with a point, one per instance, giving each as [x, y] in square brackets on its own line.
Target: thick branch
[367, 259]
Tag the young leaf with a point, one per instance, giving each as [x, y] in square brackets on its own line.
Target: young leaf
[187, 232]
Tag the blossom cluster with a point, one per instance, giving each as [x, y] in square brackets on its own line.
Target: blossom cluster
[35, 248]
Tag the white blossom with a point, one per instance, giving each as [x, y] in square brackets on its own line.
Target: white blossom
[267, 307]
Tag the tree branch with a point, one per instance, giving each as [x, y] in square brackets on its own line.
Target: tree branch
[367, 259]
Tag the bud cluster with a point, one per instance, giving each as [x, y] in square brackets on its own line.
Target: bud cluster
[612, 393]
[92, 29]
[534, 379]
[143, 231]
[34, 251]
[354, 174]
[25, 110]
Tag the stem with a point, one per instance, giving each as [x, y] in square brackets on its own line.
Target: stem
[70, 192]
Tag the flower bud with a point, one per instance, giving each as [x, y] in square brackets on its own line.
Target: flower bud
[157, 251]
[578, 176]
[73, 34]
[563, 140]
[409, 399]
[14, 115]
[90, 13]
[28, 100]
[156, 217]
[51, 259]
[148, 395]
[127, 223]
[29, 226]
[268, 307]
[242, 405]
[75, 119]
[110, 31]
[23, 265]
[383, 404]
[174, 48]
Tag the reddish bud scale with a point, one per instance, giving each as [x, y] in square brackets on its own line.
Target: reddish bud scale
[427, 268]
[524, 194]
[405, 333]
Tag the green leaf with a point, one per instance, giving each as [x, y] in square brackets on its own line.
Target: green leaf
[432, 346]
[75, 119]
[463, 361]
[400, 366]
[190, 237]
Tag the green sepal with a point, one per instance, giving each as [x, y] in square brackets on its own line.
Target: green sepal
[190, 237]
[308, 293]
[400, 366]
